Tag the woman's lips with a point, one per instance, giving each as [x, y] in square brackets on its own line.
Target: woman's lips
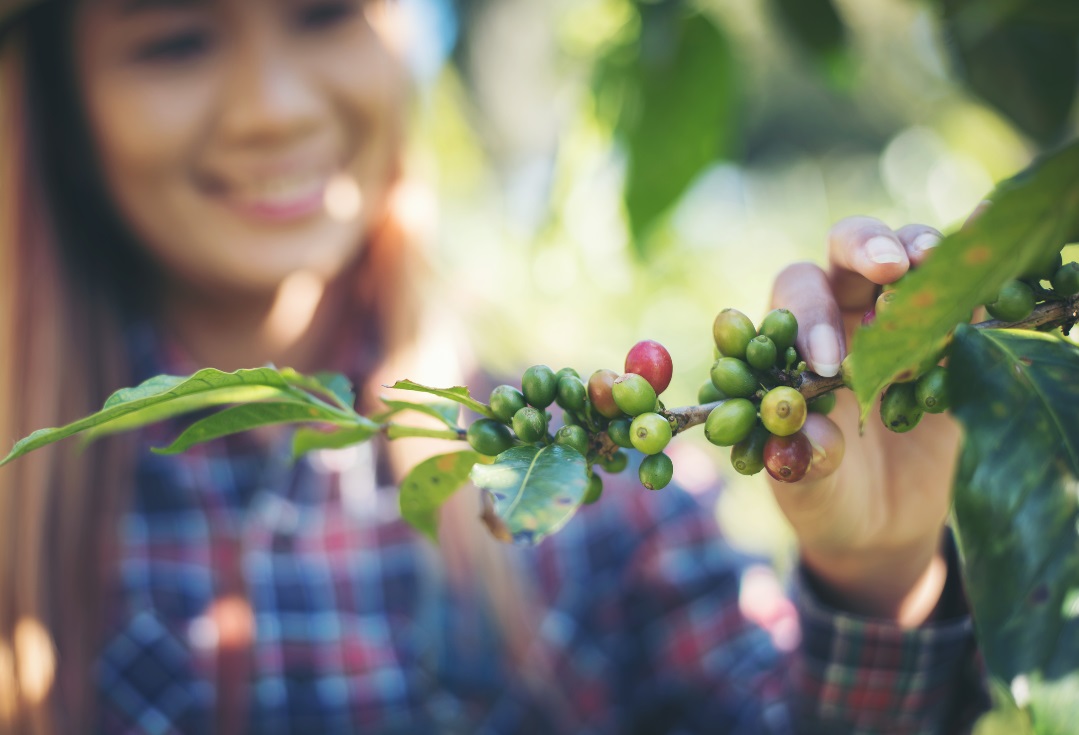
[278, 199]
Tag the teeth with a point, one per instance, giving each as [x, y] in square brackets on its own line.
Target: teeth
[280, 191]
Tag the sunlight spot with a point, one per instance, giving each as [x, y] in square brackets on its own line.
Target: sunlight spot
[297, 299]
[342, 198]
[1070, 608]
[36, 659]
[202, 633]
[1021, 691]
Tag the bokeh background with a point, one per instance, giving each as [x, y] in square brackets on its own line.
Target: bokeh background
[589, 173]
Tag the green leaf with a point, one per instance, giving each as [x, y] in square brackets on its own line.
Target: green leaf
[444, 412]
[307, 439]
[457, 394]
[675, 90]
[1017, 510]
[535, 490]
[163, 397]
[429, 485]
[334, 386]
[1032, 216]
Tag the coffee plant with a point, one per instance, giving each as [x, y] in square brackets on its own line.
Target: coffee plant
[1010, 381]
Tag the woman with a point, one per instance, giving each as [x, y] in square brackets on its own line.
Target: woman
[210, 182]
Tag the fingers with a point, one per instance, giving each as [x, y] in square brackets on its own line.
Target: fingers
[804, 289]
[864, 253]
[918, 241]
[828, 446]
[805, 501]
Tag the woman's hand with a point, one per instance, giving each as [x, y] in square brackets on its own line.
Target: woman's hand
[870, 513]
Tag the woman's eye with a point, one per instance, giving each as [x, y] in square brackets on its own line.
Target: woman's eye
[177, 47]
[318, 16]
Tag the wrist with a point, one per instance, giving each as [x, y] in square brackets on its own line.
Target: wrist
[902, 584]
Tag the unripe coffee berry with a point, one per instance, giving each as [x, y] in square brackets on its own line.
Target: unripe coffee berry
[732, 331]
[1065, 281]
[571, 394]
[761, 352]
[747, 456]
[539, 386]
[931, 391]
[633, 394]
[822, 404]
[505, 401]
[573, 436]
[783, 411]
[734, 378]
[730, 422]
[656, 471]
[651, 361]
[1044, 269]
[488, 437]
[1014, 302]
[788, 458]
[530, 424]
[650, 433]
[615, 463]
[884, 301]
[781, 327]
[594, 490]
[567, 371]
[789, 358]
[708, 393]
[899, 410]
[618, 431]
[599, 392]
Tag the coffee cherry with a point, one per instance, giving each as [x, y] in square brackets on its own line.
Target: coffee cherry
[571, 394]
[899, 410]
[734, 378]
[747, 456]
[1065, 281]
[787, 458]
[1014, 302]
[530, 424]
[708, 393]
[573, 436]
[761, 352]
[931, 391]
[732, 331]
[599, 392]
[730, 422]
[633, 394]
[618, 430]
[884, 301]
[1044, 269]
[822, 404]
[489, 437]
[594, 490]
[781, 327]
[505, 401]
[615, 463]
[783, 411]
[788, 359]
[656, 471]
[650, 433]
[650, 360]
[539, 386]
[567, 371]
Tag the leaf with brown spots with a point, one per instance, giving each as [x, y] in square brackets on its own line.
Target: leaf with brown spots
[429, 485]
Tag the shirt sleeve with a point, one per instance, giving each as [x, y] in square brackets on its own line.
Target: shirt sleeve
[709, 664]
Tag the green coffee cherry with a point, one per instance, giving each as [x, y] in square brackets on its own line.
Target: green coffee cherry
[730, 422]
[505, 401]
[708, 393]
[571, 394]
[783, 411]
[1014, 302]
[899, 409]
[1044, 269]
[567, 371]
[650, 433]
[788, 359]
[633, 394]
[573, 436]
[615, 463]
[931, 391]
[747, 456]
[781, 327]
[822, 404]
[761, 352]
[618, 430]
[734, 378]
[595, 489]
[530, 424]
[884, 301]
[732, 331]
[1066, 280]
[539, 386]
[656, 471]
[489, 437]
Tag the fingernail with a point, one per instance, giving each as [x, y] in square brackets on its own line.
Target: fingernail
[884, 250]
[926, 241]
[824, 350]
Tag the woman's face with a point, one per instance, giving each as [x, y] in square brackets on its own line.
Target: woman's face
[243, 140]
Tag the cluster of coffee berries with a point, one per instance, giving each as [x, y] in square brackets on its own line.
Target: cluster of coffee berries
[1017, 298]
[759, 414]
[610, 413]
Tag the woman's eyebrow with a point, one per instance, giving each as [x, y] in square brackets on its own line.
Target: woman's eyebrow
[132, 7]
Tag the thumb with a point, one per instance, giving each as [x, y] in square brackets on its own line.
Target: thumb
[814, 493]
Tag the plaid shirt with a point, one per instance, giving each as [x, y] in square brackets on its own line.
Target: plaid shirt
[649, 622]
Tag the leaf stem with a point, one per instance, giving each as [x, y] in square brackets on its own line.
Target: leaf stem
[398, 431]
